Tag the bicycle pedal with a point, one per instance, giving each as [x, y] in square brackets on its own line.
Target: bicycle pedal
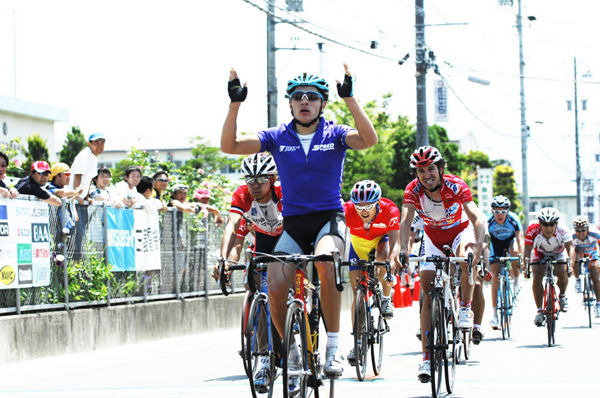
[424, 379]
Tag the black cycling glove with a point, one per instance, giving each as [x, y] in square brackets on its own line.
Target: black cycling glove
[345, 89]
[237, 93]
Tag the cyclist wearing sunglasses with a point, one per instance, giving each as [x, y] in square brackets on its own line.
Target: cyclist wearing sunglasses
[309, 153]
[506, 236]
[374, 224]
[445, 204]
[548, 239]
[586, 240]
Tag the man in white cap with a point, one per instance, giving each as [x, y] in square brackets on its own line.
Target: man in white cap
[85, 165]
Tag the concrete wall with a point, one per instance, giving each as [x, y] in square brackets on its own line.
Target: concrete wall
[37, 335]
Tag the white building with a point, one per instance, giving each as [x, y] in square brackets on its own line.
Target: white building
[20, 118]
[485, 188]
[563, 198]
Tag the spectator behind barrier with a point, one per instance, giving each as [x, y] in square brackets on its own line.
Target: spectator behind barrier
[85, 165]
[5, 190]
[161, 181]
[202, 196]
[100, 190]
[126, 189]
[33, 184]
[145, 189]
[60, 173]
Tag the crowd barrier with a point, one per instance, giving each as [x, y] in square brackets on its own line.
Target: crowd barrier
[188, 247]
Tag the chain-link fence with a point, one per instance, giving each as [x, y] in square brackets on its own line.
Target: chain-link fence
[189, 248]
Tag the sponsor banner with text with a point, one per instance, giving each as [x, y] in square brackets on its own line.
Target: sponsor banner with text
[24, 244]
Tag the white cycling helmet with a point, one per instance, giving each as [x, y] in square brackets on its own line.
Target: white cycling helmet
[259, 164]
[548, 215]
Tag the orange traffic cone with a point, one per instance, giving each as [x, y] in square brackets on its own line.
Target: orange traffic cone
[397, 297]
[417, 289]
[406, 296]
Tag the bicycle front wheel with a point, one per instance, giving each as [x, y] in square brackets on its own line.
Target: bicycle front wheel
[587, 297]
[361, 334]
[257, 338]
[503, 307]
[243, 333]
[379, 329]
[549, 312]
[452, 354]
[436, 342]
[296, 372]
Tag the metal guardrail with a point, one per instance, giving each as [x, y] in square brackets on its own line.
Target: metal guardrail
[189, 248]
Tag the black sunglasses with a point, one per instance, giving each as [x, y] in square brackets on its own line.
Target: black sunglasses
[548, 224]
[310, 95]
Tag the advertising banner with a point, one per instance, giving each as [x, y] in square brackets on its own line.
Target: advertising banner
[24, 244]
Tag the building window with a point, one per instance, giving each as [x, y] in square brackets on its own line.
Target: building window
[591, 217]
[598, 157]
[533, 206]
[589, 201]
[483, 189]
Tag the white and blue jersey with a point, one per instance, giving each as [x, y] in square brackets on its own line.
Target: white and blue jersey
[589, 246]
[502, 235]
[310, 182]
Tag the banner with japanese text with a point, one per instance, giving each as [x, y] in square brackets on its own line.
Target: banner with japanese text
[24, 244]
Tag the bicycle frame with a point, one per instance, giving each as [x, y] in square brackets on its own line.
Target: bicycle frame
[588, 289]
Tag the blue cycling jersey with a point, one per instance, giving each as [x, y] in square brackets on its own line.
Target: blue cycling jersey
[309, 182]
[505, 231]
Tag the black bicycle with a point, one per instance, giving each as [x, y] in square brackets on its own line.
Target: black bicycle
[369, 324]
[588, 287]
[444, 345]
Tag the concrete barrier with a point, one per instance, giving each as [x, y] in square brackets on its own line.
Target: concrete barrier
[38, 335]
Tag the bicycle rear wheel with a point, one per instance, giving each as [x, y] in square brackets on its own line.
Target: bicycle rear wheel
[467, 343]
[295, 337]
[257, 331]
[361, 334]
[506, 309]
[587, 297]
[549, 312]
[502, 305]
[379, 329]
[436, 345]
[452, 354]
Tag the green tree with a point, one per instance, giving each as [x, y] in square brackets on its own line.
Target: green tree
[505, 184]
[73, 144]
[209, 158]
[37, 149]
[12, 149]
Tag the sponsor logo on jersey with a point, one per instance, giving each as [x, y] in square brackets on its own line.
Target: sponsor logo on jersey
[452, 210]
[452, 186]
[394, 221]
[288, 148]
[324, 147]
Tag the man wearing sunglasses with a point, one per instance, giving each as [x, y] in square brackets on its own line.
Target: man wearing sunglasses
[586, 240]
[547, 238]
[506, 236]
[259, 202]
[309, 153]
[374, 224]
[445, 204]
[34, 183]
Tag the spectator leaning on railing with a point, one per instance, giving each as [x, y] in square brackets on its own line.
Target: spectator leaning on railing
[161, 181]
[33, 184]
[60, 174]
[85, 165]
[126, 188]
[99, 191]
[5, 190]
[145, 189]
[202, 196]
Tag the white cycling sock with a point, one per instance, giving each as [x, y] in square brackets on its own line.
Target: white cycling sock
[386, 297]
[476, 326]
[332, 339]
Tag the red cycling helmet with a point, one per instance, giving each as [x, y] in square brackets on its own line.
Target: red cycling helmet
[424, 156]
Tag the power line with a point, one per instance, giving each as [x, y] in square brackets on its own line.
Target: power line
[319, 35]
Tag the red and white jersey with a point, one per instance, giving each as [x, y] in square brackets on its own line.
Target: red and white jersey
[265, 217]
[541, 245]
[244, 232]
[446, 214]
[387, 219]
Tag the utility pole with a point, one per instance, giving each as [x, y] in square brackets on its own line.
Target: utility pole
[524, 129]
[577, 160]
[422, 137]
[271, 78]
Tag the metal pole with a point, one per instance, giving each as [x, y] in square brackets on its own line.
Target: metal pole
[320, 45]
[577, 160]
[176, 255]
[105, 223]
[206, 226]
[18, 297]
[271, 78]
[524, 130]
[64, 252]
[422, 137]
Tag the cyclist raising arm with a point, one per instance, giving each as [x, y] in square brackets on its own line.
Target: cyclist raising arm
[548, 239]
[440, 199]
[309, 153]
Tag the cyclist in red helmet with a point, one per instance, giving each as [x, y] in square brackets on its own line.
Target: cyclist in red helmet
[444, 203]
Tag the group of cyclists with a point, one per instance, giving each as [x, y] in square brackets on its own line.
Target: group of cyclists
[292, 203]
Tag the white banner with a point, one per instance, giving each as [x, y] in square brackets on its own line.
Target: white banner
[147, 240]
[24, 244]
[440, 95]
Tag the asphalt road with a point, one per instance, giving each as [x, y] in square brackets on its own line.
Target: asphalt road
[207, 365]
